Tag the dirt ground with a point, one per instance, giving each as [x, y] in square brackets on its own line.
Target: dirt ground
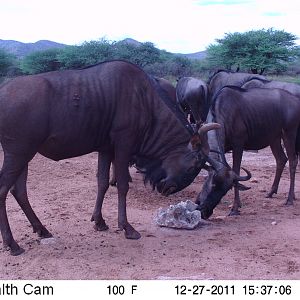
[262, 243]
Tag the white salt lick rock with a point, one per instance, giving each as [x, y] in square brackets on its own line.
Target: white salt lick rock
[182, 215]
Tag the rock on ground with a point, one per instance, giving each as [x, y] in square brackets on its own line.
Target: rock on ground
[182, 215]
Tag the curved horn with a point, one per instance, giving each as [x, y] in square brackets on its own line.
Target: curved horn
[244, 178]
[207, 127]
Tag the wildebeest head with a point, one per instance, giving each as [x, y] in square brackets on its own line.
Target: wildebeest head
[180, 167]
[219, 181]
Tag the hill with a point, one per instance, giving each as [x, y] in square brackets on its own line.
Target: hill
[196, 55]
[20, 49]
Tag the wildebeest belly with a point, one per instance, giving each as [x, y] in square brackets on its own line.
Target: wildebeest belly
[262, 138]
[73, 138]
[62, 147]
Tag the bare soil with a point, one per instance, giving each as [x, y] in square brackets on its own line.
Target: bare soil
[262, 243]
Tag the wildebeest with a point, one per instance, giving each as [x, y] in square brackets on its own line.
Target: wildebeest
[223, 78]
[250, 120]
[113, 108]
[192, 95]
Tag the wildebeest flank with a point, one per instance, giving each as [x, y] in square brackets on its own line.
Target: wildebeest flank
[113, 108]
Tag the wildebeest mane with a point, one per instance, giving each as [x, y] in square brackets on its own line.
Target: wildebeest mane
[151, 169]
[171, 104]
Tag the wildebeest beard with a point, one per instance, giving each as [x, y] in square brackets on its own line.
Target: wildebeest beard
[151, 169]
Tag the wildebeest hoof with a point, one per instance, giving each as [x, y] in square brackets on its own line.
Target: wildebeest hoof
[270, 194]
[43, 233]
[289, 202]
[101, 226]
[234, 213]
[15, 251]
[131, 233]
[134, 235]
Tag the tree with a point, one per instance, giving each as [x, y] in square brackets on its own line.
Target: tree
[257, 51]
[6, 62]
[89, 53]
[41, 61]
[143, 55]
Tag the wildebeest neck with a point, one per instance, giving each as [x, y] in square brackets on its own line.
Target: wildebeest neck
[172, 105]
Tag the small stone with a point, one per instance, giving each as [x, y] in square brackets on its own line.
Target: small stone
[274, 223]
[254, 180]
[48, 241]
[220, 217]
[182, 215]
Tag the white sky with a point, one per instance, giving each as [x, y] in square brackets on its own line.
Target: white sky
[182, 26]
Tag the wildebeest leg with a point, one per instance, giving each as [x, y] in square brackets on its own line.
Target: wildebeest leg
[281, 160]
[122, 158]
[19, 191]
[104, 161]
[289, 143]
[13, 166]
[113, 180]
[236, 165]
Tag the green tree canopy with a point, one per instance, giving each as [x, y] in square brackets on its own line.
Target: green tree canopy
[256, 50]
[89, 53]
[41, 61]
[6, 62]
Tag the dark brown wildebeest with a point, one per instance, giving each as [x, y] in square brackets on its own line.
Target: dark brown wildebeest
[250, 120]
[192, 95]
[278, 152]
[113, 108]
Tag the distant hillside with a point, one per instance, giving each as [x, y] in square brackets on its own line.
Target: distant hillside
[196, 55]
[20, 49]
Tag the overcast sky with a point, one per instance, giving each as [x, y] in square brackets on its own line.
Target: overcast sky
[183, 26]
